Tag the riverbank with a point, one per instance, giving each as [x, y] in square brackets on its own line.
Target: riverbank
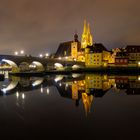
[108, 70]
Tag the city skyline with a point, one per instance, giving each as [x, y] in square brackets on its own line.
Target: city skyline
[39, 26]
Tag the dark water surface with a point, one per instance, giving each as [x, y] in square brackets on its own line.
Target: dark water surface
[74, 106]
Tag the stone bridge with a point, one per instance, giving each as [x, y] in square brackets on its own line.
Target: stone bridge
[30, 63]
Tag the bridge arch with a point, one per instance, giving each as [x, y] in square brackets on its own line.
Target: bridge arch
[15, 68]
[58, 66]
[24, 66]
[75, 67]
[11, 85]
[37, 66]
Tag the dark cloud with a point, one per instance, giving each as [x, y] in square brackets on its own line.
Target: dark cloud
[40, 25]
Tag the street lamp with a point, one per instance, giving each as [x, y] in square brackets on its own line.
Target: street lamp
[16, 53]
[22, 52]
[59, 58]
[47, 54]
[40, 55]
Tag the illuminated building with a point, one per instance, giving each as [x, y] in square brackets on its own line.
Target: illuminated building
[133, 52]
[96, 55]
[75, 48]
[121, 59]
[69, 49]
[86, 36]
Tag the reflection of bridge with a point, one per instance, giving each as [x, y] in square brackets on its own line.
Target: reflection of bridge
[24, 84]
[27, 63]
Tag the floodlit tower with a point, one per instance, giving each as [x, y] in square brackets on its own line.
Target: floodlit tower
[86, 36]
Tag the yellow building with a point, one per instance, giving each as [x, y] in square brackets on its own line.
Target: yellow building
[75, 48]
[96, 55]
[97, 81]
[86, 36]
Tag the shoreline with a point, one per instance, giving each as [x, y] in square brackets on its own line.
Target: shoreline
[111, 70]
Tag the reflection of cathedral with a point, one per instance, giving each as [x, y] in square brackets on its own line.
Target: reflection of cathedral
[86, 89]
[95, 85]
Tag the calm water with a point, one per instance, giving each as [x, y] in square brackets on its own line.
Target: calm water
[88, 106]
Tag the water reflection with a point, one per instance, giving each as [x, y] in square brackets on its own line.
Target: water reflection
[85, 87]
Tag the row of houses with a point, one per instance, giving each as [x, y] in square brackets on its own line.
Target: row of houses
[97, 55]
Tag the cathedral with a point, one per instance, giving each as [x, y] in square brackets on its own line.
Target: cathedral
[86, 36]
[75, 50]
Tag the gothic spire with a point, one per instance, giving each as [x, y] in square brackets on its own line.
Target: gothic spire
[85, 27]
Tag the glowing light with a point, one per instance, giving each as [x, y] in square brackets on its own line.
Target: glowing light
[23, 96]
[41, 55]
[41, 89]
[139, 78]
[59, 58]
[48, 91]
[37, 82]
[17, 94]
[139, 64]
[16, 53]
[58, 78]
[4, 90]
[67, 85]
[22, 51]
[47, 54]
[60, 84]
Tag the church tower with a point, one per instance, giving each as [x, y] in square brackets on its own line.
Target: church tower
[75, 47]
[86, 36]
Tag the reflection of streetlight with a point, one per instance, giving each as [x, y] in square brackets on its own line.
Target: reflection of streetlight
[23, 96]
[48, 91]
[16, 53]
[59, 58]
[17, 94]
[139, 78]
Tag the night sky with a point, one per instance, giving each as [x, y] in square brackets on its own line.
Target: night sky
[38, 26]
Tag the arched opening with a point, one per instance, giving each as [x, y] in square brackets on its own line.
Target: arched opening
[58, 66]
[10, 85]
[75, 67]
[14, 67]
[24, 67]
[36, 66]
[58, 78]
[37, 82]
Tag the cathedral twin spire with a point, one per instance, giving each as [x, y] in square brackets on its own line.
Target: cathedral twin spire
[86, 36]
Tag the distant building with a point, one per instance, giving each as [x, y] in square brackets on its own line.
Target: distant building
[75, 48]
[121, 59]
[96, 55]
[133, 52]
[69, 49]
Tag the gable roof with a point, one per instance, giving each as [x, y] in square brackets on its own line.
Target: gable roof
[64, 49]
[97, 48]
